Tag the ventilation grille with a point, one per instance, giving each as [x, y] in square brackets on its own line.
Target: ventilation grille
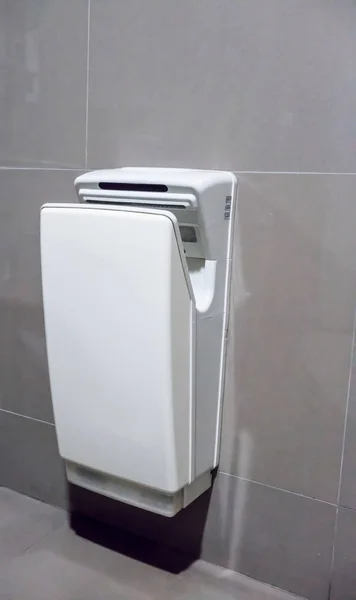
[133, 187]
[143, 204]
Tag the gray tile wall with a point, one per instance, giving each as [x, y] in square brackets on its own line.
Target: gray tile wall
[266, 89]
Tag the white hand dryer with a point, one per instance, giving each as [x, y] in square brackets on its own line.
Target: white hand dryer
[136, 283]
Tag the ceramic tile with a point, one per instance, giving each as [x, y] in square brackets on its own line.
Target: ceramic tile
[43, 75]
[23, 522]
[29, 460]
[15, 506]
[66, 566]
[24, 384]
[343, 583]
[233, 85]
[292, 311]
[348, 480]
[206, 581]
[273, 536]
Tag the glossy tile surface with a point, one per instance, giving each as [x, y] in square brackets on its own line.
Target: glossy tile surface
[294, 290]
[273, 536]
[59, 564]
[43, 60]
[343, 583]
[228, 85]
[24, 384]
[29, 460]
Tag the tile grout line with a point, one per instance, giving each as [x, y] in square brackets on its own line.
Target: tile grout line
[81, 168]
[87, 90]
[291, 173]
[345, 507]
[10, 412]
[41, 168]
[273, 487]
[55, 529]
[343, 442]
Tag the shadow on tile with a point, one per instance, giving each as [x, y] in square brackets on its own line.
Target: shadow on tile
[171, 544]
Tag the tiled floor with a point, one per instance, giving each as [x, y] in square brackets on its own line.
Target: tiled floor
[42, 558]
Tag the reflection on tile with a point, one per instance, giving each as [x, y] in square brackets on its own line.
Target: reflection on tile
[348, 480]
[24, 385]
[43, 59]
[29, 459]
[343, 584]
[273, 536]
[204, 581]
[291, 328]
[238, 91]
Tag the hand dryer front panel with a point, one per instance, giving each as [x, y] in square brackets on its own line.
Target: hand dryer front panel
[120, 325]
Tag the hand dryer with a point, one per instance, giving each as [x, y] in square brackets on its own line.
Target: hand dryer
[136, 285]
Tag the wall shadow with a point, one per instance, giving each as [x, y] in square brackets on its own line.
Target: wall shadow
[168, 543]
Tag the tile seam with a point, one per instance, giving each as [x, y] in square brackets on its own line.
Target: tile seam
[10, 412]
[81, 168]
[42, 169]
[273, 487]
[87, 88]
